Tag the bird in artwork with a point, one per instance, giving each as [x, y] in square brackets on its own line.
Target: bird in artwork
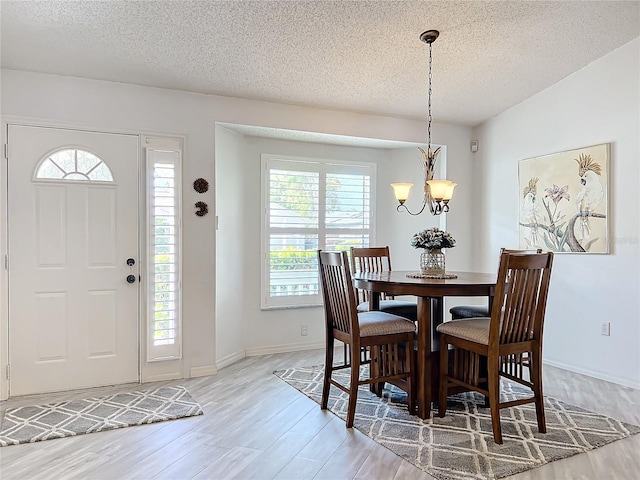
[529, 212]
[590, 195]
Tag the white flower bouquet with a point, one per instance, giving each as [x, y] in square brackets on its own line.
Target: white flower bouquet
[432, 239]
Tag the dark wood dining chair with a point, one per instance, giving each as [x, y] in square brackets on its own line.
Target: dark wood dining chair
[475, 311]
[391, 337]
[513, 330]
[375, 260]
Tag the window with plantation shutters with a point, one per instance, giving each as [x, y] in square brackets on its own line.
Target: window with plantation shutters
[163, 277]
[308, 205]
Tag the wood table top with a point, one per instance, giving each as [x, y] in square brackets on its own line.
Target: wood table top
[397, 282]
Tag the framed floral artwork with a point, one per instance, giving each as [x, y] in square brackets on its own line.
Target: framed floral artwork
[563, 201]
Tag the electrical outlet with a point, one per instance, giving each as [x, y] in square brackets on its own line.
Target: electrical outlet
[304, 331]
[605, 329]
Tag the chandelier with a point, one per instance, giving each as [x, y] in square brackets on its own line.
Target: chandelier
[437, 193]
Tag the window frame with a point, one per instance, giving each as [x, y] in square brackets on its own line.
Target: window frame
[65, 178]
[323, 167]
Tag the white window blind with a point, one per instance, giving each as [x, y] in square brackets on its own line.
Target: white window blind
[163, 303]
[309, 205]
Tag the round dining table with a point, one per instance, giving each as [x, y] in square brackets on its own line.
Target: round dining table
[430, 293]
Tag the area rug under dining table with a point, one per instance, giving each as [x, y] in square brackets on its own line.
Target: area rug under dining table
[460, 445]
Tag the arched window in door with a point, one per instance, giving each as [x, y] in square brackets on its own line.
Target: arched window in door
[75, 165]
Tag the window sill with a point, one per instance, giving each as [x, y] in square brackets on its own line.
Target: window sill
[290, 307]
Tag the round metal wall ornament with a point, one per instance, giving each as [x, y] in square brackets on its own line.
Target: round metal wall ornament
[200, 185]
[203, 209]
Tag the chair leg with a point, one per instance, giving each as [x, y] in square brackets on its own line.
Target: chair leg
[535, 369]
[493, 370]
[328, 370]
[411, 383]
[353, 389]
[444, 371]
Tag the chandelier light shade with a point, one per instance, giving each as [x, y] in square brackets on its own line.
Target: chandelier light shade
[441, 190]
[437, 193]
[401, 191]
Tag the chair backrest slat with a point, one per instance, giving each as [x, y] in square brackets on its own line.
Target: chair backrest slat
[370, 260]
[521, 296]
[338, 293]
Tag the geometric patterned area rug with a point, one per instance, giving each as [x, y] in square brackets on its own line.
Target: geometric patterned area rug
[35, 423]
[460, 445]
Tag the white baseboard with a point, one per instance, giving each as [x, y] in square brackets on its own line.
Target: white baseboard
[290, 347]
[590, 373]
[229, 359]
[203, 371]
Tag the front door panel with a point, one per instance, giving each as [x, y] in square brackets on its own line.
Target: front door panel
[73, 223]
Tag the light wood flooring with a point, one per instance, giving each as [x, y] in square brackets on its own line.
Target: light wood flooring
[257, 427]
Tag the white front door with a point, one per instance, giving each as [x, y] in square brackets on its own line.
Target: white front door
[73, 224]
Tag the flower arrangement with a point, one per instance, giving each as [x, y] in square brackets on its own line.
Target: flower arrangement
[433, 238]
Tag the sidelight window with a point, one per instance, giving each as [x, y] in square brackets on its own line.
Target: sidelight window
[163, 286]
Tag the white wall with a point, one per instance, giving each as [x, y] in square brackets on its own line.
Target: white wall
[598, 104]
[231, 245]
[114, 107]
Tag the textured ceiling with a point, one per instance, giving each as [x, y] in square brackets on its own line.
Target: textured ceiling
[362, 56]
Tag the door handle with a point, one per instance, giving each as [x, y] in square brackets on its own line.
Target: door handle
[131, 278]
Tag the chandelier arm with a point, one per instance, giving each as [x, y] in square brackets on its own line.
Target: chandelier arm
[434, 207]
[406, 209]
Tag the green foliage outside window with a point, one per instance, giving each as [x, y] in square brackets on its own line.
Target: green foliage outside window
[290, 258]
[299, 193]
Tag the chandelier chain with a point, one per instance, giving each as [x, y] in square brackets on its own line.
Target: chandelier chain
[429, 117]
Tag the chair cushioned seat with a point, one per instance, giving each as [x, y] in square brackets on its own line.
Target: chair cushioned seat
[381, 323]
[396, 307]
[469, 311]
[473, 329]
